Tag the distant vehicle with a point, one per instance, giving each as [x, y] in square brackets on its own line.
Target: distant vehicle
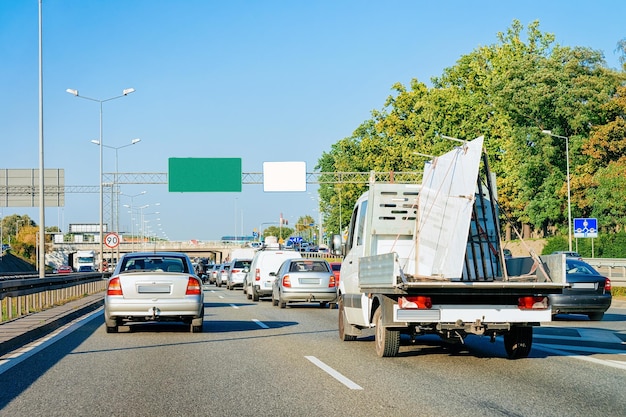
[154, 287]
[212, 273]
[258, 282]
[336, 268]
[303, 280]
[5, 247]
[64, 269]
[589, 292]
[86, 268]
[200, 268]
[222, 275]
[507, 253]
[237, 272]
[568, 254]
[84, 258]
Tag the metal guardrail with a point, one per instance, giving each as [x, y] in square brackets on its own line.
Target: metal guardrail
[613, 268]
[21, 296]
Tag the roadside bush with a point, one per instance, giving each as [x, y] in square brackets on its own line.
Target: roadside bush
[611, 245]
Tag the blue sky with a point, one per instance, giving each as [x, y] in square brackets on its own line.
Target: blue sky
[257, 80]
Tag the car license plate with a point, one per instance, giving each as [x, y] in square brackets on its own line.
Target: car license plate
[268, 284]
[310, 281]
[584, 285]
[153, 289]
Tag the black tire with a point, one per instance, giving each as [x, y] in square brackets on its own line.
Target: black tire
[342, 325]
[274, 301]
[248, 295]
[255, 295]
[281, 303]
[595, 316]
[518, 341]
[112, 326]
[387, 341]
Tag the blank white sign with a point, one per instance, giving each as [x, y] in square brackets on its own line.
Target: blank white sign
[284, 176]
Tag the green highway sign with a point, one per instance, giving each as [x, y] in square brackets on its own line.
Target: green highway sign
[204, 175]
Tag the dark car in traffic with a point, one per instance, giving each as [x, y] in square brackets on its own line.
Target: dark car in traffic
[589, 292]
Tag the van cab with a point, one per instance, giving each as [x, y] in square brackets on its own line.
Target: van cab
[258, 281]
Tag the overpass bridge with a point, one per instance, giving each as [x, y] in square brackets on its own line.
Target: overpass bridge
[218, 251]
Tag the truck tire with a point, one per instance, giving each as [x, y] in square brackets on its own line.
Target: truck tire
[518, 341]
[343, 322]
[387, 341]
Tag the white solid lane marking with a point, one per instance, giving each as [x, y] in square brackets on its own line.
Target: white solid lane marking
[563, 352]
[330, 371]
[13, 358]
[261, 324]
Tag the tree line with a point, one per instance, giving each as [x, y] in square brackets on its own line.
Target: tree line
[510, 92]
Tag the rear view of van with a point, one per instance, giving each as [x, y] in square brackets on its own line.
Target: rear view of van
[258, 282]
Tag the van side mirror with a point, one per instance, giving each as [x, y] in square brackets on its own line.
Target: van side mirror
[336, 245]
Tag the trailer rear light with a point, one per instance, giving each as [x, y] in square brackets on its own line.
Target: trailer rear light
[257, 275]
[415, 302]
[532, 303]
[607, 284]
[114, 288]
[286, 281]
[193, 287]
[332, 282]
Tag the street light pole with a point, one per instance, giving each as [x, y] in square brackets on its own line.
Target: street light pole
[132, 200]
[569, 199]
[115, 220]
[125, 92]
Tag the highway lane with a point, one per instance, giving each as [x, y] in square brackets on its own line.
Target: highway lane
[255, 359]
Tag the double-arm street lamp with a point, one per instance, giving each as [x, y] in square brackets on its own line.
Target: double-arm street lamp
[125, 92]
[569, 200]
[115, 221]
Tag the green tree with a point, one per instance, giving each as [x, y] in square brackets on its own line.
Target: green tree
[280, 232]
[509, 92]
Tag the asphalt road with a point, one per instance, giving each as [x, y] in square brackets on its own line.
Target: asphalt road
[255, 360]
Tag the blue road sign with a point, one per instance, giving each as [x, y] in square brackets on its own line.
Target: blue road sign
[585, 227]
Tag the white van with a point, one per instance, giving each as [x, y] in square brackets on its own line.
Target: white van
[258, 282]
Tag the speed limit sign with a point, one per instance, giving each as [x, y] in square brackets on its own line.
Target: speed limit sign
[112, 240]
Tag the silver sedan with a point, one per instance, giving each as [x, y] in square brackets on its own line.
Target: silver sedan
[304, 280]
[154, 286]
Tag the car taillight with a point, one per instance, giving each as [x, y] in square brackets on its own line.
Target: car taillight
[415, 302]
[332, 283]
[532, 303]
[193, 287]
[235, 271]
[286, 281]
[114, 288]
[607, 284]
[257, 275]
